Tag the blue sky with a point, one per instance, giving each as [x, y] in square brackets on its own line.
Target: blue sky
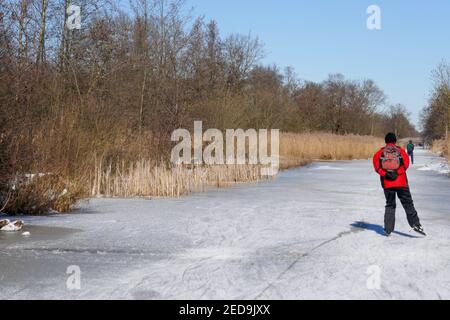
[319, 37]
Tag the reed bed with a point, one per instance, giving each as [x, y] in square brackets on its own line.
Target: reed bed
[145, 178]
[297, 149]
[441, 147]
[447, 149]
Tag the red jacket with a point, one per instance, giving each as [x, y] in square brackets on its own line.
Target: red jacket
[402, 180]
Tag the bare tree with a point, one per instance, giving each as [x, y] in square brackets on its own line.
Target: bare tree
[40, 56]
[242, 53]
[374, 98]
[441, 78]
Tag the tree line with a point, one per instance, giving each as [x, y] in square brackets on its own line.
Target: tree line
[435, 117]
[117, 88]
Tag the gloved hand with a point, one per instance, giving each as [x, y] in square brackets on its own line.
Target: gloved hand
[391, 175]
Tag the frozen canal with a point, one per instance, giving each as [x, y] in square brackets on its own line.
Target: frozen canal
[315, 232]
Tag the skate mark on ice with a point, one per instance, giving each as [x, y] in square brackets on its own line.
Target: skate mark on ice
[98, 251]
[304, 255]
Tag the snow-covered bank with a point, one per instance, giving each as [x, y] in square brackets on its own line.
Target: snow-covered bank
[435, 163]
[315, 232]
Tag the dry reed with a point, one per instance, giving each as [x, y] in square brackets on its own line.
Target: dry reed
[296, 149]
[146, 178]
[441, 147]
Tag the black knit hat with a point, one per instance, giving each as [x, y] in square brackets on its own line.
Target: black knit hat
[390, 138]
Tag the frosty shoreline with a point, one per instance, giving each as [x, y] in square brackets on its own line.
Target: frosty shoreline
[311, 234]
[438, 164]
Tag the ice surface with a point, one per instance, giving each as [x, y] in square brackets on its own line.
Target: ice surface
[437, 164]
[326, 168]
[311, 233]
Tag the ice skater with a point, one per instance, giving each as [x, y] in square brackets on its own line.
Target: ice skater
[410, 148]
[391, 163]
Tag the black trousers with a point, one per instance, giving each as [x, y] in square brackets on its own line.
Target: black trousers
[411, 156]
[405, 197]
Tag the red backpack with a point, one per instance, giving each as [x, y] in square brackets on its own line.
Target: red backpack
[391, 158]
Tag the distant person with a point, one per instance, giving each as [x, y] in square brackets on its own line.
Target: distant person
[391, 163]
[410, 148]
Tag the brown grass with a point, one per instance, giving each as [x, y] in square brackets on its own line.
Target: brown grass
[121, 177]
[441, 147]
[145, 178]
[447, 149]
[41, 194]
[297, 149]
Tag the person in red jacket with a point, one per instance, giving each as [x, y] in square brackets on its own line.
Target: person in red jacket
[391, 163]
